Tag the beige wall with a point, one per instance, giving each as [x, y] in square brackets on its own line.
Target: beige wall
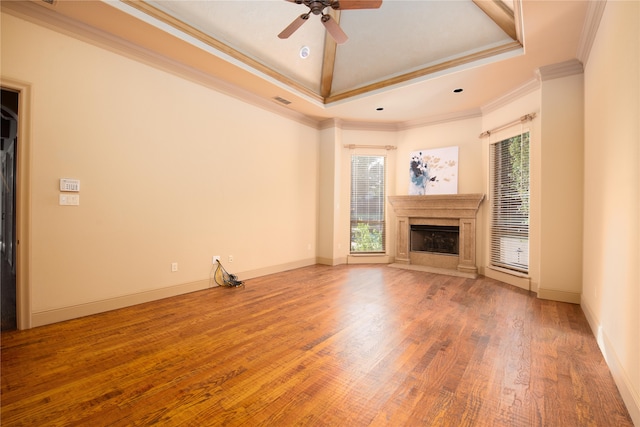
[611, 290]
[462, 133]
[170, 172]
[561, 189]
[328, 196]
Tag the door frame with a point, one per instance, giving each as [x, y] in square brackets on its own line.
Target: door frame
[23, 201]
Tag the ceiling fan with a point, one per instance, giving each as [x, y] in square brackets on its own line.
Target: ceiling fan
[317, 7]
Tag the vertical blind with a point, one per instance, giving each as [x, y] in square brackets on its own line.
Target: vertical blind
[367, 204]
[510, 203]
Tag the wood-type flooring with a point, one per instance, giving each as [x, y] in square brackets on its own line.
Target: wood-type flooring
[317, 346]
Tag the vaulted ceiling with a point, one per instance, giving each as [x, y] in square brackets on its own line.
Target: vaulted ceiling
[401, 63]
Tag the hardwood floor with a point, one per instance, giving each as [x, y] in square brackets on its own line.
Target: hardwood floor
[318, 346]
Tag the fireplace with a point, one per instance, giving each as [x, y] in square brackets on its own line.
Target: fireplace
[437, 233]
[440, 239]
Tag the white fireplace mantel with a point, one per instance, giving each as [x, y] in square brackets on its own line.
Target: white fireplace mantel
[441, 209]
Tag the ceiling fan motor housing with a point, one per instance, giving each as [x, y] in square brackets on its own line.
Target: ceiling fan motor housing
[317, 6]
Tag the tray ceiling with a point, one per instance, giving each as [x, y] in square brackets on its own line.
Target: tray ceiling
[399, 42]
[403, 64]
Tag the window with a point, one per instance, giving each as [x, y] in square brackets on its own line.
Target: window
[367, 204]
[510, 203]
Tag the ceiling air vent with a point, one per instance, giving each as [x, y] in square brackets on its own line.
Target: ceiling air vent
[282, 100]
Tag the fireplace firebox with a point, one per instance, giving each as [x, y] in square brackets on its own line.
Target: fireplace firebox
[440, 239]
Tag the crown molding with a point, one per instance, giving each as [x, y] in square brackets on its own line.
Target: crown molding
[376, 126]
[357, 125]
[561, 69]
[48, 18]
[399, 126]
[547, 72]
[525, 89]
[330, 123]
[595, 10]
[441, 118]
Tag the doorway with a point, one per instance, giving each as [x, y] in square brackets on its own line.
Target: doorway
[8, 150]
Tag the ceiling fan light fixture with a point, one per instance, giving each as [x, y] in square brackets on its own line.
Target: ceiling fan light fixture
[304, 52]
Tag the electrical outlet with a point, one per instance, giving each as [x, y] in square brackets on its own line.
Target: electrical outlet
[230, 258]
[216, 258]
[174, 266]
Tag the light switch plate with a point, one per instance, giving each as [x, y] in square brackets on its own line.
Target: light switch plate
[69, 199]
[67, 184]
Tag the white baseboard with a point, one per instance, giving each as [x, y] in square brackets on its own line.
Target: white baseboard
[513, 279]
[332, 261]
[250, 274]
[66, 313]
[630, 396]
[73, 312]
[368, 259]
[562, 296]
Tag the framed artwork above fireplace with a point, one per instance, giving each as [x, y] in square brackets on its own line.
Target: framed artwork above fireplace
[433, 171]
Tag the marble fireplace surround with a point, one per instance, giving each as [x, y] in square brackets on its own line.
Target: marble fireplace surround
[447, 209]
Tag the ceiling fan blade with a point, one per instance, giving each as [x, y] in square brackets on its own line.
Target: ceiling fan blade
[334, 29]
[358, 4]
[293, 26]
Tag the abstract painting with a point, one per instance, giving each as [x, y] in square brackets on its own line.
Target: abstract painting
[433, 171]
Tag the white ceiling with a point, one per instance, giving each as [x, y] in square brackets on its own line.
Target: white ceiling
[406, 57]
[399, 37]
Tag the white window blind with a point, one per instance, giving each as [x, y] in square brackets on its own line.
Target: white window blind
[510, 203]
[367, 204]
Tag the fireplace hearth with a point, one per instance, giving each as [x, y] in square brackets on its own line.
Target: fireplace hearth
[425, 230]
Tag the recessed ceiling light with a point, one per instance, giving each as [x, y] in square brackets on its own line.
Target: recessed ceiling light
[458, 90]
[305, 52]
[379, 109]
